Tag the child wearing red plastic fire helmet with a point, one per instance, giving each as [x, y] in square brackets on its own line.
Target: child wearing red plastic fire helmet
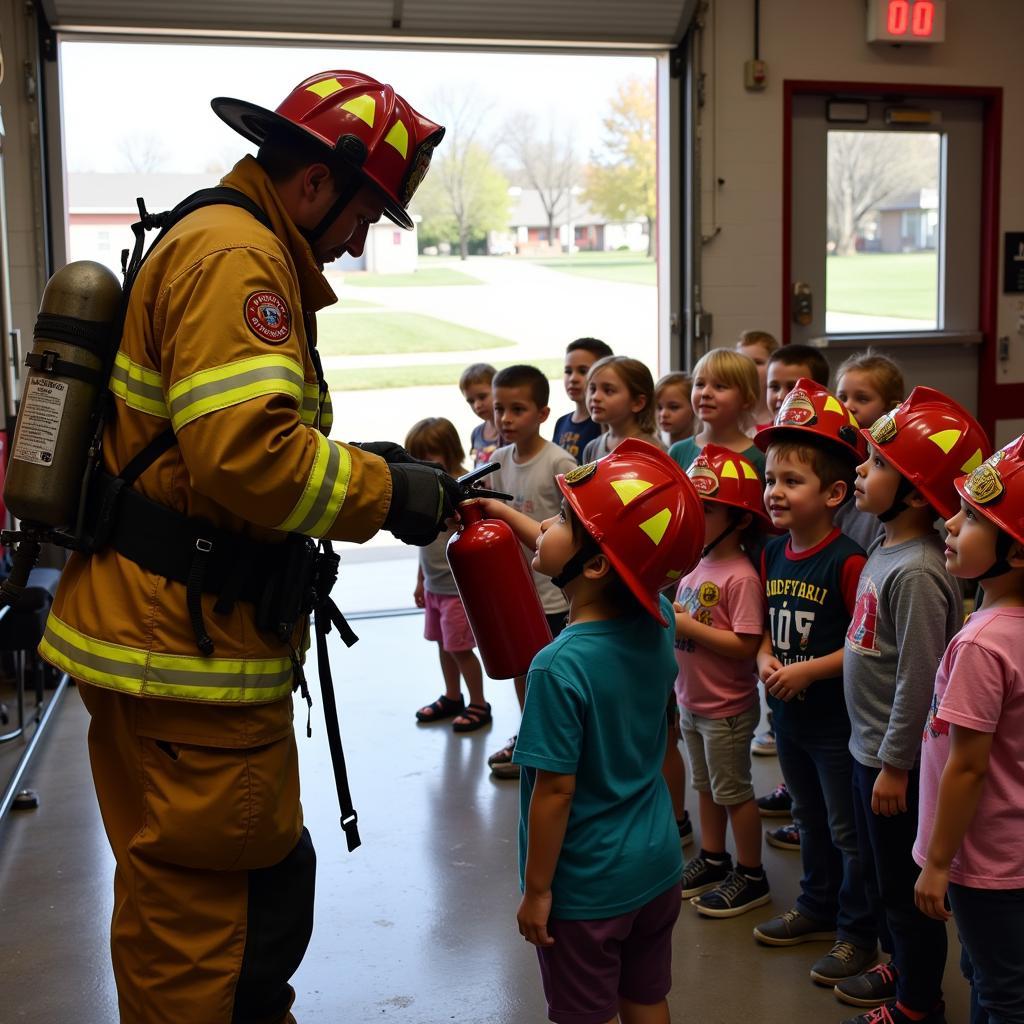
[599, 851]
[970, 839]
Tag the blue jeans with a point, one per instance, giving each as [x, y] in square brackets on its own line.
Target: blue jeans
[818, 770]
[991, 927]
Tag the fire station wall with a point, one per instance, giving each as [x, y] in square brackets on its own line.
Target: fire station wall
[742, 136]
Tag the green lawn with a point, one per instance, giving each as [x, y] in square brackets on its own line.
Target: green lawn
[361, 334]
[883, 284]
[417, 376]
[428, 277]
[624, 267]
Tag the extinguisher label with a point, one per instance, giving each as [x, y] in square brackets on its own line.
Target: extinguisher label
[42, 409]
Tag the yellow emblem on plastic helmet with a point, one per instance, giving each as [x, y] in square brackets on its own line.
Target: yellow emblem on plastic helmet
[579, 474]
[629, 489]
[884, 429]
[984, 485]
[705, 482]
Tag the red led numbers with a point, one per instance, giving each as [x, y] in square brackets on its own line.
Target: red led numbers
[918, 17]
[899, 17]
[924, 18]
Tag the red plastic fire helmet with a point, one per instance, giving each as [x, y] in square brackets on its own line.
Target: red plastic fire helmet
[644, 513]
[930, 440]
[996, 489]
[811, 410]
[729, 478]
[360, 121]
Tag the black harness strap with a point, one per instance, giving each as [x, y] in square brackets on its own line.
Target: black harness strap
[50, 362]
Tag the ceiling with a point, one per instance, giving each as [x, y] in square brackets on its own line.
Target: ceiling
[622, 24]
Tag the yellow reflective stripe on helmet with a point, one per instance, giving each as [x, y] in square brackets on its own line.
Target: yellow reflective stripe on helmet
[310, 402]
[212, 390]
[252, 680]
[324, 493]
[138, 387]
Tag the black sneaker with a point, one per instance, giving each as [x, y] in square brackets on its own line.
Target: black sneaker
[790, 929]
[872, 988]
[700, 875]
[890, 1013]
[777, 804]
[736, 895]
[842, 962]
[685, 830]
[785, 837]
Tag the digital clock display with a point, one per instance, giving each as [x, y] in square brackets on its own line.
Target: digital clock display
[906, 21]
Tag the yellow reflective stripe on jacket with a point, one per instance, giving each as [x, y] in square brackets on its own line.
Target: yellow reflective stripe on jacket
[324, 493]
[234, 680]
[212, 390]
[139, 387]
[310, 402]
[327, 415]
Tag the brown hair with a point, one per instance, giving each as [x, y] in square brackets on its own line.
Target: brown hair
[476, 373]
[762, 338]
[803, 355]
[826, 461]
[522, 375]
[597, 348]
[675, 379]
[734, 369]
[884, 372]
[436, 434]
[639, 383]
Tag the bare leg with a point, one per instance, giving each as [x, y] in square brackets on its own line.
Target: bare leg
[746, 830]
[469, 667]
[450, 671]
[521, 690]
[713, 820]
[642, 1013]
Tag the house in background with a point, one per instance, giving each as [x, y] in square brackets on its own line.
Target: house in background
[102, 209]
[908, 222]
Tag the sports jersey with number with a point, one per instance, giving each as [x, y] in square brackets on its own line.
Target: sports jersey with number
[811, 595]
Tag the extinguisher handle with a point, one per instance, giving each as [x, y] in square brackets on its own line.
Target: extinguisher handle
[467, 483]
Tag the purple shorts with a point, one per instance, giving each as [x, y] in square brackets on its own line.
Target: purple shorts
[446, 621]
[594, 963]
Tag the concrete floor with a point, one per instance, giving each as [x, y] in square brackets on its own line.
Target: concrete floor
[418, 925]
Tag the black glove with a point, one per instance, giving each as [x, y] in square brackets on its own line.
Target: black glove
[423, 496]
[390, 452]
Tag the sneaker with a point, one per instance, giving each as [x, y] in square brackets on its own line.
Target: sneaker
[872, 988]
[700, 875]
[777, 804]
[736, 895]
[890, 1013]
[501, 761]
[790, 929]
[842, 962]
[785, 837]
[763, 744]
[685, 830]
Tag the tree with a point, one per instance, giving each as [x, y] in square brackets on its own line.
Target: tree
[867, 168]
[465, 194]
[143, 154]
[545, 161]
[621, 183]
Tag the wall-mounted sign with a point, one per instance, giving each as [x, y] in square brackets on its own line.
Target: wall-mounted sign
[1013, 262]
[906, 21]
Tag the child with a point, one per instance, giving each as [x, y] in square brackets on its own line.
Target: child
[759, 346]
[475, 385]
[868, 384]
[970, 839]
[673, 406]
[620, 397]
[575, 430]
[720, 614]
[908, 610]
[786, 366]
[437, 440]
[529, 465]
[723, 396]
[599, 858]
[810, 577]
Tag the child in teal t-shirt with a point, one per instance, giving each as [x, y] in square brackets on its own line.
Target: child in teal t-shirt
[599, 853]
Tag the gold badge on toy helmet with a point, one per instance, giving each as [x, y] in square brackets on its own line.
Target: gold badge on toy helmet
[576, 476]
[985, 485]
[884, 429]
[705, 480]
[797, 410]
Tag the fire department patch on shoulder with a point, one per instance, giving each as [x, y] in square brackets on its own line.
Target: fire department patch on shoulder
[267, 316]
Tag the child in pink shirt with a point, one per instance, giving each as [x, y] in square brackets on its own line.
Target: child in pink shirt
[720, 617]
[970, 841]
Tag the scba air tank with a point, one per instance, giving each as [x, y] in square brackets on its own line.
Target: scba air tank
[498, 591]
[75, 333]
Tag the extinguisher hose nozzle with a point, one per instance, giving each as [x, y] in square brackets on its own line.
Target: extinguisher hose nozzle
[16, 584]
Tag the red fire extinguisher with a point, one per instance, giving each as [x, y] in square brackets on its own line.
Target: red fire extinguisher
[497, 588]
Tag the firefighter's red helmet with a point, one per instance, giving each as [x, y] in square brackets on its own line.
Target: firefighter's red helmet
[725, 476]
[811, 410]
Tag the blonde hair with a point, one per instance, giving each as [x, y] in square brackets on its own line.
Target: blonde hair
[676, 379]
[884, 372]
[733, 369]
[758, 338]
[436, 435]
[639, 383]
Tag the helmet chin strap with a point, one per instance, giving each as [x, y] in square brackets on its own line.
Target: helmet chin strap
[731, 528]
[574, 567]
[899, 501]
[345, 196]
[1001, 565]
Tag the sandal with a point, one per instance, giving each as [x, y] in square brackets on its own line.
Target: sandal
[443, 707]
[474, 717]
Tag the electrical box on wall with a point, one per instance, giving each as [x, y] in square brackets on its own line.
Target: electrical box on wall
[755, 74]
[906, 21]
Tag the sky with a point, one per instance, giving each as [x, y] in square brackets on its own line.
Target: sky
[114, 91]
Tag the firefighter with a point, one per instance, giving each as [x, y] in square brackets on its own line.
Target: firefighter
[219, 442]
